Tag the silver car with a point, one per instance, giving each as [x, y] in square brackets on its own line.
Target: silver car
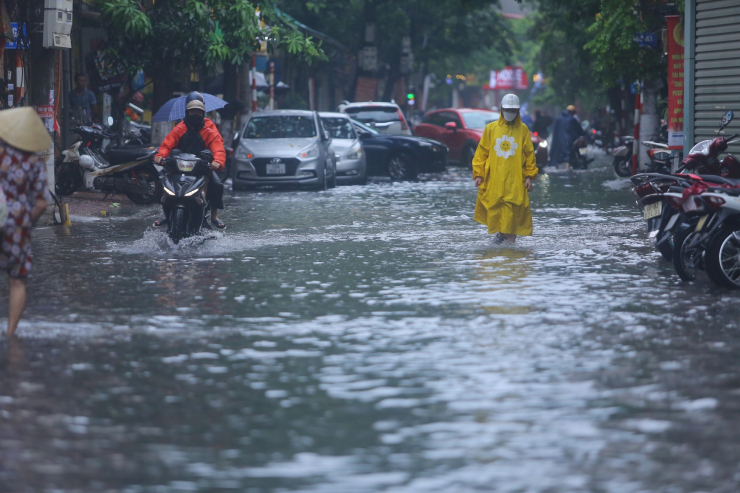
[386, 118]
[351, 164]
[285, 148]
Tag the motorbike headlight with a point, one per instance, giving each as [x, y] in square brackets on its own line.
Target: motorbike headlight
[543, 143]
[169, 192]
[308, 152]
[192, 192]
[243, 153]
[355, 152]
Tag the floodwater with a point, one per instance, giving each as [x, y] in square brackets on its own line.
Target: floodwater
[372, 339]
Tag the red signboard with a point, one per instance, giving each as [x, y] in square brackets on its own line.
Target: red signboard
[675, 81]
[45, 111]
[509, 78]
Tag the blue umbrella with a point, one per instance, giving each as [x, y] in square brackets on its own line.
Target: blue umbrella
[174, 109]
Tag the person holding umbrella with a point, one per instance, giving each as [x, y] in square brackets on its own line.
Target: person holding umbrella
[194, 134]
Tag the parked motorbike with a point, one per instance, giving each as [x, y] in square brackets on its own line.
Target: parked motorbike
[623, 157]
[704, 221]
[91, 164]
[661, 158]
[579, 154]
[185, 181]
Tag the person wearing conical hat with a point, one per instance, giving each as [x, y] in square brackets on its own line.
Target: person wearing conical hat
[23, 180]
[503, 169]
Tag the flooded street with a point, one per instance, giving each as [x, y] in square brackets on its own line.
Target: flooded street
[372, 339]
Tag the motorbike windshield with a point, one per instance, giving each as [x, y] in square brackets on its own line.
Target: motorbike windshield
[186, 162]
[701, 148]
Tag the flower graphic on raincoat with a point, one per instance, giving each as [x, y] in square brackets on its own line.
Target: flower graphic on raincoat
[505, 146]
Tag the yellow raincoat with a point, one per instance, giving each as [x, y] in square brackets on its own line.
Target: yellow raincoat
[504, 158]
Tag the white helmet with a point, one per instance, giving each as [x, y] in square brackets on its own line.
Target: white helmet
[510, 102]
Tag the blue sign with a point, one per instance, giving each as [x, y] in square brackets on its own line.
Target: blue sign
[646, 39]
[13, 45]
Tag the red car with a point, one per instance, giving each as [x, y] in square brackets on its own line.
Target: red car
[461, 129]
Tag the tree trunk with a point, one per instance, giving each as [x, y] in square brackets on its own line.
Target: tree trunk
[162, 79]
[229, 112]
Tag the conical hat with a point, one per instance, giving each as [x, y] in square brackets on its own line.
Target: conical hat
[23, 129]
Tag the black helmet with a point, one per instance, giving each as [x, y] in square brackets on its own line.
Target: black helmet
[195, 101]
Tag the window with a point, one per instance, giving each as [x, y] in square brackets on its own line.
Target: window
[479, 119]
[280, 127]
[435, 119]
[449, 116]
[339, 128]
[374, 114]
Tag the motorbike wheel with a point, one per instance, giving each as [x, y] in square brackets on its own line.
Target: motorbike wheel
[400, 168]
[723, 258]
[686, 257]
[154, 191]
[67, 179]
[622, 167]
[179, 226]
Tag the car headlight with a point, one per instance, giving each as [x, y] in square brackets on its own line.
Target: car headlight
[243, 153]
[543, 143]
[355, 152]
[312, 151]
[425, 144]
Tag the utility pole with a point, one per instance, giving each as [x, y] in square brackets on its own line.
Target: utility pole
[43, 75]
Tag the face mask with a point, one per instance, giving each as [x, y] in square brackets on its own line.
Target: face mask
[194, 120]
[509, 116]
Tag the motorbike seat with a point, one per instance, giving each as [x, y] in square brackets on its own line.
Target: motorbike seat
[719, 179]
[126, 154]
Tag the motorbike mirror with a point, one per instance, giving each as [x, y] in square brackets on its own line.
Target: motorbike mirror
[726, 119]
[206, 155]
[451, 126]
[110, 121]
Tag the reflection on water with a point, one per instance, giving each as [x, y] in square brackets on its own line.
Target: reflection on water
[372, 339]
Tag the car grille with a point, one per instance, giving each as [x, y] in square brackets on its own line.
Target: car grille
[260, 165]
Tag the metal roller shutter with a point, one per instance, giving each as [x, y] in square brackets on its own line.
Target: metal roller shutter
[716, 88]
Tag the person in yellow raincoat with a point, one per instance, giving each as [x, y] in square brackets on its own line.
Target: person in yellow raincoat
[503, 169]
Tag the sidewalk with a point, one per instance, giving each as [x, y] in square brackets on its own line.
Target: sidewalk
[92, 205]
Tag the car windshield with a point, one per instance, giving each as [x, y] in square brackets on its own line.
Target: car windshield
[374, 114]
[479, 119]
[338, 128]
[364, 128]
[280, 127]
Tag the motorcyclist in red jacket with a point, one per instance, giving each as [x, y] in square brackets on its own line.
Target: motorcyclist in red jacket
[193, 135]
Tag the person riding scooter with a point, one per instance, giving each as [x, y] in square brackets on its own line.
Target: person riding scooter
[193, 135]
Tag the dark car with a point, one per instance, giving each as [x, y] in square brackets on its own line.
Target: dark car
[401, 157]
[461, 129]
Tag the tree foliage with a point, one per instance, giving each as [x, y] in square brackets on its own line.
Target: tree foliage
[148, 35]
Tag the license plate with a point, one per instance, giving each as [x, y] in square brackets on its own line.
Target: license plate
[583, 151]
[671, 223]
[652, 210]
[275, 169]
[700, 224]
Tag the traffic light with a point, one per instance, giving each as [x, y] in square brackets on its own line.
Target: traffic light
[410, 99]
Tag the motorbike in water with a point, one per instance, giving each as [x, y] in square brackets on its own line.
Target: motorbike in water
[702, 213]
[622, 153]
[90, 163]
[579, 154]
[185, 182]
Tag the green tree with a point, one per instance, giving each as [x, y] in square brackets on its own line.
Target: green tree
[160, 36]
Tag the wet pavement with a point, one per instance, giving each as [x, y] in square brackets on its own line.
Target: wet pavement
[372, 339]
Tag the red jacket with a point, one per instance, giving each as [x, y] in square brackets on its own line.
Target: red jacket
[210, 135]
